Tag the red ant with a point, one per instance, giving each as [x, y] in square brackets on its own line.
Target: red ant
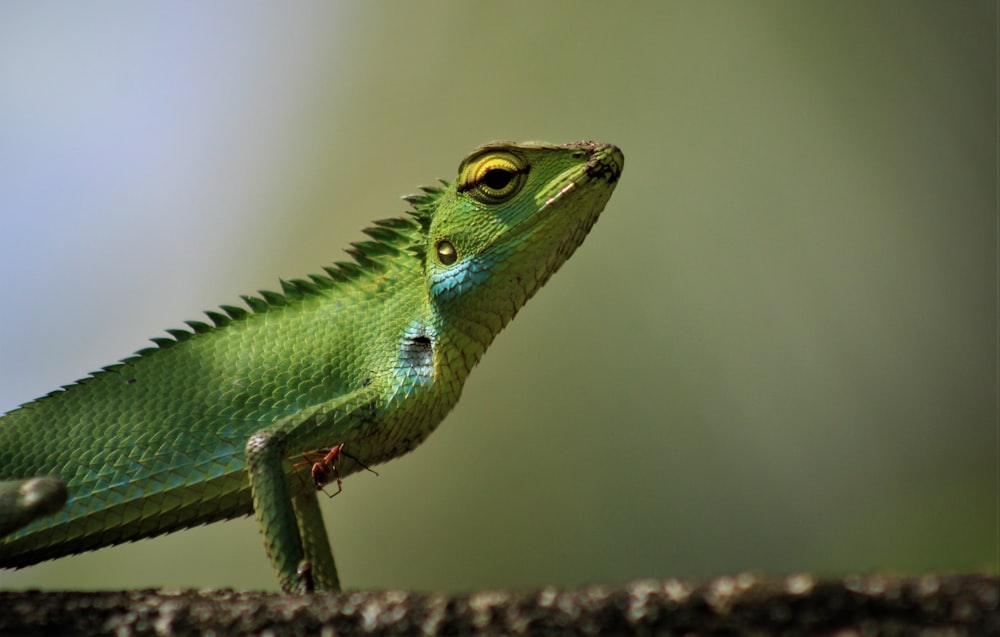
[322, 465]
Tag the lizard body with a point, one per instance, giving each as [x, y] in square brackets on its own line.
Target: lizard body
[208, 424]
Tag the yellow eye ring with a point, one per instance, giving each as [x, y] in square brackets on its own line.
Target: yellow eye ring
[493, 177]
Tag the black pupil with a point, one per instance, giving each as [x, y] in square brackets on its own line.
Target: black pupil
[497, 178]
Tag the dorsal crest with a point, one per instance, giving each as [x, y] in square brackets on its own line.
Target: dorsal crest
[390, 238]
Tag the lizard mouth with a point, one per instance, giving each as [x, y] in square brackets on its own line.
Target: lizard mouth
[603, 168]
[566, 213]
[606, 160]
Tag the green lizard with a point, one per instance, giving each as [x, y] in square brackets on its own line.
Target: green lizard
[363, 361]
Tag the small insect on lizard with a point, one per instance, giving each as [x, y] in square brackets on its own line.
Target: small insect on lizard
[208, 424]
[324, 465]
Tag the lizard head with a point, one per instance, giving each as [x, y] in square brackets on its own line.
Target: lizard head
[513, 216]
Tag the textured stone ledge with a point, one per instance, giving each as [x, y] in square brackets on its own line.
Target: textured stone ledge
[741, 604]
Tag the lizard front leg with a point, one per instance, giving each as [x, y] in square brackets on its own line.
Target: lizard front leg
[318, 570]
[294, 534]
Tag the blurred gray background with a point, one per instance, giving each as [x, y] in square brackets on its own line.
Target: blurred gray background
[776, 351]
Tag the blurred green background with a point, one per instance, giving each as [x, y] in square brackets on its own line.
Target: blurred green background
[777, 350]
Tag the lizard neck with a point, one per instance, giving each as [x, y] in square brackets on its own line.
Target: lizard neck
[464, 335]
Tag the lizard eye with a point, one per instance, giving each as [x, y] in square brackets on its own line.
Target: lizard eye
[446, 253]
[494, 177]
[497, 179]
